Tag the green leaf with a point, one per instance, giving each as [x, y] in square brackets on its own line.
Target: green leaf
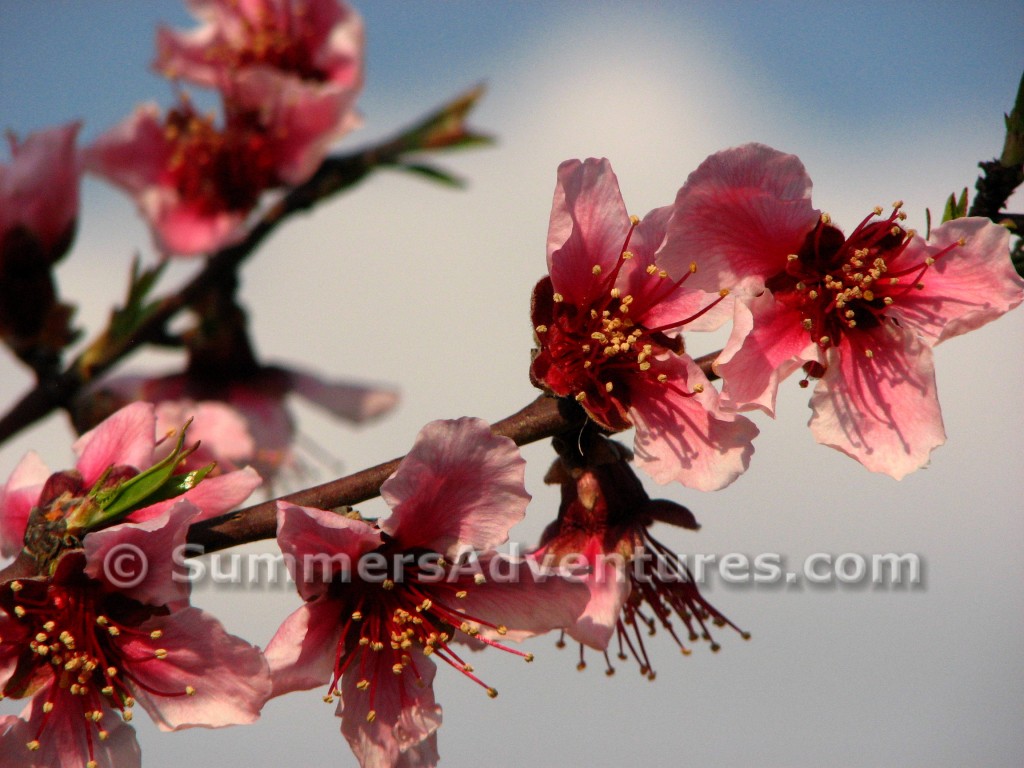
[1013, 148]
[433, 174]
[126, 319]
[955, 209]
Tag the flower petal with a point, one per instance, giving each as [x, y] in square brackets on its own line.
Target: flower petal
[320, 546]
[212, 496]
[126, 438]
[17, 497]
[883, 410]
[766, 345]
[66, 738]
[967, 286]
[405, 713]
[302, 652]
[738, 216]
[682, 435]
[461, 486]
[230, 677]
[588, 227]
[143, 560]
[354, 402]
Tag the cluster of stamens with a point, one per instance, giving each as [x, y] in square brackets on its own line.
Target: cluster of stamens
[602, 346]
[392, 619]
[77, 642]
[842, 284]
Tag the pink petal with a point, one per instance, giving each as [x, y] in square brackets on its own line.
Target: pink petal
[406, 713]
[523, 596]
[766, 345]
[320, 546]
[883, 410]
[13, 640]
[230, 677]
[687, 438]
[64, 742]
[967, 286]
[353, 402]
[143, 560]
[222, 431]
[588, 227]
[738, 216]
[39, 188]
[461, 486]
[126, 438]
[183, 229]
[133, 154]
[302, 652]
[213, 496]
[17, 497]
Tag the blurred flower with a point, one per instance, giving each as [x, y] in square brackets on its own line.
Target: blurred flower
[101, 633]
[606, 322]
[636, 583]
[459, 490]
[38, 215]
[197, 183]
[859, 312]
[244, 419]
[116, 451]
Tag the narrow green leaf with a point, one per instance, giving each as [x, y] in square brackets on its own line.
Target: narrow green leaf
[433, 174]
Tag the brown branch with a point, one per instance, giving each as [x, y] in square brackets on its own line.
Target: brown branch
[544, 417]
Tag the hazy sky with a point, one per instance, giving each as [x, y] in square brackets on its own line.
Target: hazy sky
[410, 283]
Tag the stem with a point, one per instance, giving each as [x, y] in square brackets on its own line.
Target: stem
[544, 417]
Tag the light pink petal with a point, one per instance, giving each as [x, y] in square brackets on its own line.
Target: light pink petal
[738, 216]
[460, 487]
[523, 596]
[213, 496]
[883, 410]
[222, 431]
[230, 677]
[967, 286]
[354, 402]
[17, 497]
[767, 344]
[183, 55]
[126, 438]
[134, 154]
[183, 229]
[65, 738]
[143, 560]
[39, 188]
[302, 652]
[320, 546]
[588, 228]
[406, 713]
[685, 437]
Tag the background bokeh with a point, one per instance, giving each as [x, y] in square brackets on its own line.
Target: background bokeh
[406, 282]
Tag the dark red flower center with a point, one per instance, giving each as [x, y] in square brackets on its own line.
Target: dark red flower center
[80, 639]
[843, 284]
[596, 351]
[414, 607]
[218, 170]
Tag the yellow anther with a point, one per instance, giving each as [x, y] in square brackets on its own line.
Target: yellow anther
[461, 594]
[608, 386]
[812, 295]
[724, 292]
[634, 220]
[887, 300]
[962, 241]
[502, 629]
[16, 586]
[190, 691]
[596, 269]
[868, 353]
[541, 329]
[807, 323]
[662, 377]
[792, 257]
[388, 584]
[127, 715]
[651, 269]
[698, 388]
[929, 261]
[627, 255]
[615, 293]
[826, 219]
[357, 616]
[663, 273]
[897, 205]
[645, 366]
[581, 397]
[397, 668]
[160, 653]
[363, 685]
[528, 658]
[104, 735]
[33, 745]
[869, 296]
[48, 707]
[371, 715]
[878, 210]
[558, 297]
[156, 634]
[824, 340]
[493, 693]
[587, 363]
[479, 579]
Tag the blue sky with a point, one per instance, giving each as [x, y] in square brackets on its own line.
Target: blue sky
[429, 288]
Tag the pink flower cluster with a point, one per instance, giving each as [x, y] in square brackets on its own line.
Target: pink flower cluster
[288, 73]
[859, 313]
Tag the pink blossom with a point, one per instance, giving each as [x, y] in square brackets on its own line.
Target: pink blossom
[372, 640]
[607, 322]
[636, 583]
[859, 312]
[119, 448]
[246, 420]
[91, 640]
[39, 196]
